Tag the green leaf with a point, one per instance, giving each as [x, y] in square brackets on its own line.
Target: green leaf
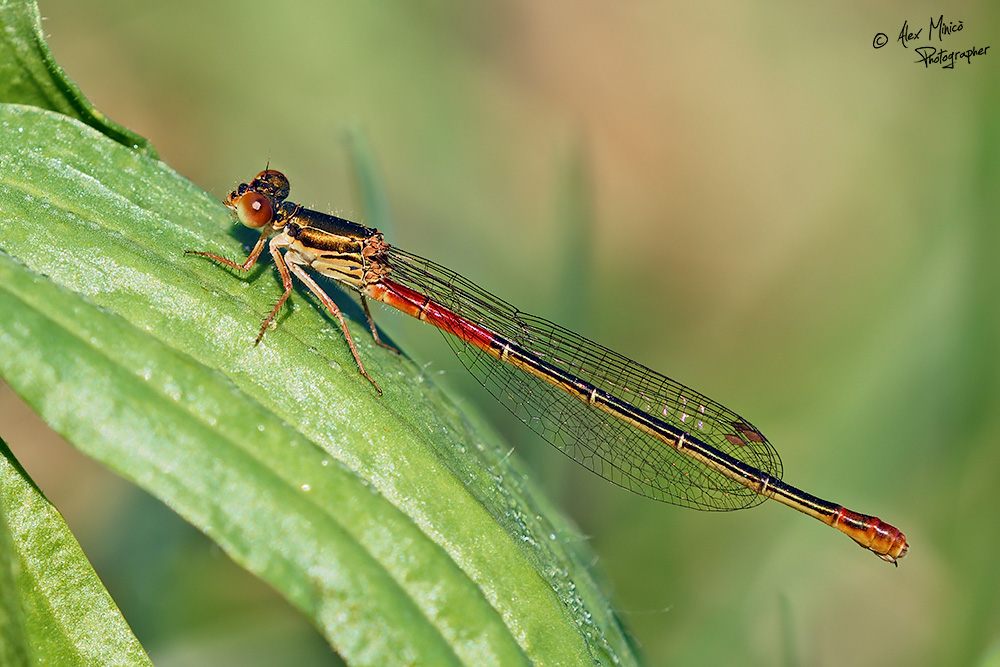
[402, 531]
[53, 608]
[30, 75]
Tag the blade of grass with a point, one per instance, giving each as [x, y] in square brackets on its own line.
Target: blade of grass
[368, 182]
[53, 608]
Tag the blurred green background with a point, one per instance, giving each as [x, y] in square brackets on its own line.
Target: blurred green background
[752, 200]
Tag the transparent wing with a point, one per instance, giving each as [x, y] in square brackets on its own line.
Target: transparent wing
[608, 446]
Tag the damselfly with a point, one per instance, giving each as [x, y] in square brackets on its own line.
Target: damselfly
[625, 422]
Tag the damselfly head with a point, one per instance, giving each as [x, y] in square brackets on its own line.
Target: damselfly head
[256, 202]
[271, 183]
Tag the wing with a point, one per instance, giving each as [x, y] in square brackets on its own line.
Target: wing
[610, 447]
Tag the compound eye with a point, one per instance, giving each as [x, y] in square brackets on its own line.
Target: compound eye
[254, 210]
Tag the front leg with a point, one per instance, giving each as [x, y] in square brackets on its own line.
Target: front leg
[246, 265]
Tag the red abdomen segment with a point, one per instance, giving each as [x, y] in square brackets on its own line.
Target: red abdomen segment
[882, 539]
[417, 305]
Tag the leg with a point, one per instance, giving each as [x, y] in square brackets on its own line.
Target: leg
[250, 260]
[371, 325]
[332, 307]
[286, 281]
